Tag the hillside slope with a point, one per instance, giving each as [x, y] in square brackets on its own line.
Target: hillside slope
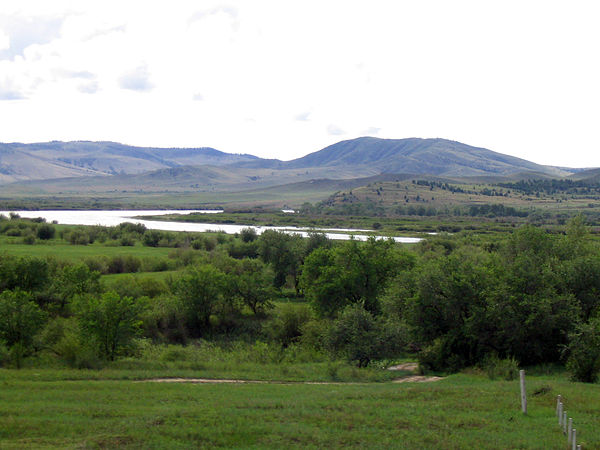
[83, 158]
[419, 156]
[362, 157]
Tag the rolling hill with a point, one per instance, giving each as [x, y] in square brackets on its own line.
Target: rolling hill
[21, 162]
[420, 156]
[107, 166]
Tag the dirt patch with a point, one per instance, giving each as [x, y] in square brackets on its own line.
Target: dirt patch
[409, 379]
[408, 367]
[200, 381]
[417, 379]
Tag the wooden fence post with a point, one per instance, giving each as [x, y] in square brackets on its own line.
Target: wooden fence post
[523, 392]
[564, 422]
[574, 447]
[570, 430]
[560, 413]
[558, 402]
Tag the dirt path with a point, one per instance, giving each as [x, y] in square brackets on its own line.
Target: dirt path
[407, 367]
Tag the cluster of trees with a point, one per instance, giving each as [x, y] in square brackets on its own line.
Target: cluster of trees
[497, 210]
[553, 186]
[528, 298]
[533, 297]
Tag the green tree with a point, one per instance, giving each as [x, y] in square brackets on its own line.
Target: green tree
[202, 290]
[28, 273]
[350, 273]
[584, 352]
[358, 336]
[110, 320]
[76, 279]
[283, 252]
[20, 320]
[254, 285]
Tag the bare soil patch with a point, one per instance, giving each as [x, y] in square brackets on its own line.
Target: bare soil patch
[409, 367]
[408, 379]
[417, 379]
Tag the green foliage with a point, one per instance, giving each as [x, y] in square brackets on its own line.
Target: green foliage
[584, 352]
[351, 273]
[504, 369]
[248, 234]
[287, 322]
[76, 279]
[164, 321]
[26, 273]
[110, 320]
[253, 283]
[202, 291]
[46, 231]
[283, 252]
[20, 320]
[64, 338]
[358, 336]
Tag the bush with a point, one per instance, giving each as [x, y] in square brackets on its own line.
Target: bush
[29, 239]
[505, 369]
[286, 324]
[63, 338]
[584, 352]
[164, 321]
[124, 264]
[359, 337]
[98, 263]
[46, 231]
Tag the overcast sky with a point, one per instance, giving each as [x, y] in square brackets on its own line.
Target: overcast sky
[284, 78]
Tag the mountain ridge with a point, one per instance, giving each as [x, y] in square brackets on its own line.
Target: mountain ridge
[360, 157]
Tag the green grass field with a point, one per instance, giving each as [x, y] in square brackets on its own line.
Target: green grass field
[68, 252]
[46, 409]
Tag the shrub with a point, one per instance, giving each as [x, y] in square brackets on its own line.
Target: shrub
[359, 337]
[29, 239]
[124, 264]
[505, 369]
[164, 320]
[46, 231]
[286, 324]
[584, 352]
[110, 321]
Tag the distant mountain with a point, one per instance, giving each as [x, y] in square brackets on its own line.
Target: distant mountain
[420, 156]
[84, 158]
[591, 175]
[362, 157]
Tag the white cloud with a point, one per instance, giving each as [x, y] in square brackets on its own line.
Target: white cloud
[4, 41]
[89, 88]
[9, 92]
[137, 79]
[303, 117]
[371, 131]
[334, 130]
[23, 32]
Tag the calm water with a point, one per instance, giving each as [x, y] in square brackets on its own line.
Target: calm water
[115, 217]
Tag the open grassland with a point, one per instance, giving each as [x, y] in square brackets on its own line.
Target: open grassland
[56, 410]
[68, 252]
[419, 191]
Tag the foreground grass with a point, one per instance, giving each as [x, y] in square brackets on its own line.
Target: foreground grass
[461, 411]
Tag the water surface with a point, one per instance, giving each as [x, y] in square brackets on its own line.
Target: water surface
[110, 218]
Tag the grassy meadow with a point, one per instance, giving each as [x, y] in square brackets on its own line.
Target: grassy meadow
[297, 393]
[41, 409]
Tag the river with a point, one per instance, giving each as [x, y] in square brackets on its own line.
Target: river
[110, 218]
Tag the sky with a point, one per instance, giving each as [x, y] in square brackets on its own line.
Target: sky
[283, 78]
